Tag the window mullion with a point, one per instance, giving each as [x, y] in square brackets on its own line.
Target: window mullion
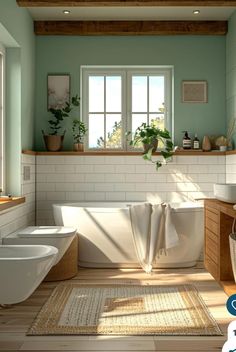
[129, 112]
[124, 107]
[148, 99]
[105, 138]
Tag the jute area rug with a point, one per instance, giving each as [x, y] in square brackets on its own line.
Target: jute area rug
[75, 309]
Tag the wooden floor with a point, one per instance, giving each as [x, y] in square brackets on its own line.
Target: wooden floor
[15, 321]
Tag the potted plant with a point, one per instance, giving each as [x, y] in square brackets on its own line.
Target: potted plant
[149, 136]
[53, 141]
[79, 131]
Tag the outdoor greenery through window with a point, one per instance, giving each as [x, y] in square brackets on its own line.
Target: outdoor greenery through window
[119, 99]
[2, 160]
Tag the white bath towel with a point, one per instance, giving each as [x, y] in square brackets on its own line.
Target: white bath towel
[153, 232]
[140, 216]
[171, 235]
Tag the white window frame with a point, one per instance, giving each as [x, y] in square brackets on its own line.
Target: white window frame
[126, 72]
[2, 118]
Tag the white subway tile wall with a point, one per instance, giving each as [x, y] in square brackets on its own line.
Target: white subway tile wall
[231, 168]
[120, 178]
[24, 214]
[123, 178]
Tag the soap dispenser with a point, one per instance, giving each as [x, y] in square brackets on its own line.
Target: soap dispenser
[187, 143]
[196, 143]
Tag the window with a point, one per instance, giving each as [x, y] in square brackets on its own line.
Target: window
[119, 99]
[2, 117]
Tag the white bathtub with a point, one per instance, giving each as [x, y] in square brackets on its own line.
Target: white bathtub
[105, 234]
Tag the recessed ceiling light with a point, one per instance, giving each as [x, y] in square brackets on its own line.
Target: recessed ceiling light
[66, 12]
[196, 12]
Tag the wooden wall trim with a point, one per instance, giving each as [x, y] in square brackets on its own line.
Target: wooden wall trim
[125, 153]
[6, 204]
[130, 27]
[90, 3]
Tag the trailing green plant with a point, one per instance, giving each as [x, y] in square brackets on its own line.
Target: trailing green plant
[149, 136]
[60, 114]
[79, 130]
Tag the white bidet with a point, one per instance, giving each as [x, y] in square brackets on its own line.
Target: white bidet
[56, 236]
[22, 269]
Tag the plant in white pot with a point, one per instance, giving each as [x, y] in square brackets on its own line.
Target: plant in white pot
[79, 130]
[149, 136]
[54, 140]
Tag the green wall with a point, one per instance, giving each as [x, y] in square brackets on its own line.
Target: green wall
[193, 58]
[231, 71]
[17, 35]
[18, 22]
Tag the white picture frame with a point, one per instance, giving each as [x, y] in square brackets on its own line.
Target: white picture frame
[58, 87]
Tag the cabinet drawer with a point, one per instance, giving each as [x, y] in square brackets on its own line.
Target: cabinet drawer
[212, 216]
[211, 225]
[212, 210]
[211, 250]
[211, 267]
[213, 236]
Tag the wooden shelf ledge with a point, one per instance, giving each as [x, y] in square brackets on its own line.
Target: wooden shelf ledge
[6, 204]
[124, 153]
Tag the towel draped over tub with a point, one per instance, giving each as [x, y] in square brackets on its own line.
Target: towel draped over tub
[153, 232]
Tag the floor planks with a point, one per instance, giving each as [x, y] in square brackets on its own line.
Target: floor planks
[15, 321]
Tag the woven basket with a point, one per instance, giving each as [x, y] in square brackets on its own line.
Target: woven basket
[232, 245]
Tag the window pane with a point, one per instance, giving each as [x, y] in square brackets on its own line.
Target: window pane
[96, 93]
[139, 93]
[156, 93]
[137, 120]
[113, 93]
[113, 131]
[158, 120]
[96, 130]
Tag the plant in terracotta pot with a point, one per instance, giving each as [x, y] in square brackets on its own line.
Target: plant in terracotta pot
[54, 140]
[79, 130]
[149, 136]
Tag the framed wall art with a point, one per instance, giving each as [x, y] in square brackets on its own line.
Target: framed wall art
[194, 92]
[58, 86]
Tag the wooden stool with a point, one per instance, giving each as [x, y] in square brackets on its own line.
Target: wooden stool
[67, 267]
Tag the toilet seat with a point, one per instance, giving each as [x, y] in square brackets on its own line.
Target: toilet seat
[56, 236]
[46, 231]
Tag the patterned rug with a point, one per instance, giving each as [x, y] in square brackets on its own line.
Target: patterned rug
[75, 309]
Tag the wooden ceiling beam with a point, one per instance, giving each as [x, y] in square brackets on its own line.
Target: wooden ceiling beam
[130, 28]
[124, 3]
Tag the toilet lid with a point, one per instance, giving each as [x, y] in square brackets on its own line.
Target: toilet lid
[47, 231]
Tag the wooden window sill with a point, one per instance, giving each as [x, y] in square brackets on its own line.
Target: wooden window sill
[113, 153]
[6, 204]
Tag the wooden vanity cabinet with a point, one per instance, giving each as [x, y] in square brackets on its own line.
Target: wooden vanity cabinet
[218, 225]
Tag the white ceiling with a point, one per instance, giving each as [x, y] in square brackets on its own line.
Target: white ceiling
[131, 13]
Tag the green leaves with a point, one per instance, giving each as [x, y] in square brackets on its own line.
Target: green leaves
[148, 155]
[148, 135]
[158, 164]
[60, 114]
[79, 130]
[75, 100]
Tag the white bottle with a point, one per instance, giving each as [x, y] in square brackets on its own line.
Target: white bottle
[196, 143]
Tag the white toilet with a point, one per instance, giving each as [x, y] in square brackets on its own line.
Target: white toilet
[56, 236]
